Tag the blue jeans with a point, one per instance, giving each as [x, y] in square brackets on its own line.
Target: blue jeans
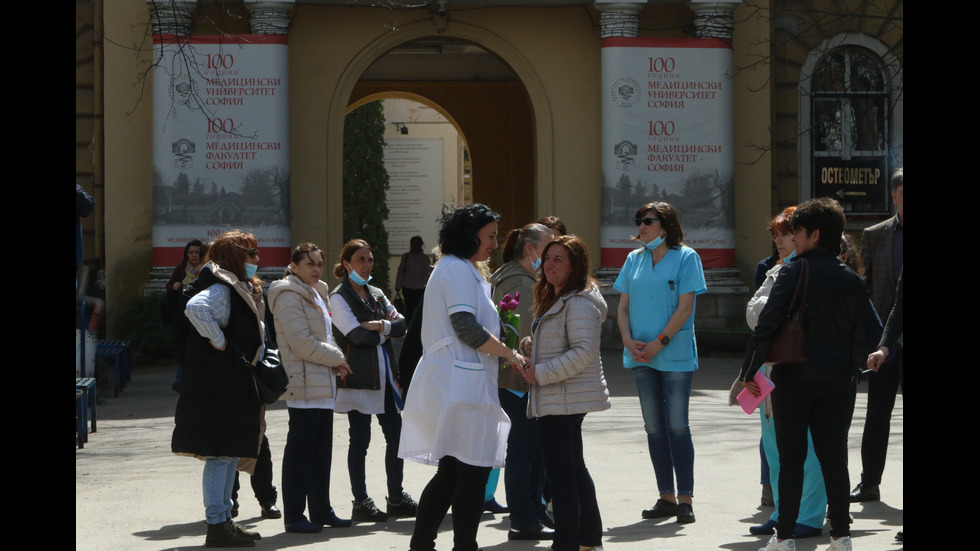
[306, 465]
[360, 439]
[664, 398]
[577, 519]
[218, 480]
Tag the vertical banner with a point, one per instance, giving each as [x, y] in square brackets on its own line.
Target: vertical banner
[415, 173]
[667, 136]
[220, 142]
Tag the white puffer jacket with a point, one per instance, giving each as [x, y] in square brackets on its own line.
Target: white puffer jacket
[565, 353]
[305, 341]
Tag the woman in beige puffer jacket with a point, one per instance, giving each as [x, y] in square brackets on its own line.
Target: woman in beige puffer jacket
[312, 360]
[565, 372]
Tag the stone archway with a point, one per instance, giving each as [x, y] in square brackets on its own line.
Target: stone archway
[540, 113]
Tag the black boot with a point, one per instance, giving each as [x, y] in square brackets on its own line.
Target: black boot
[226, 534]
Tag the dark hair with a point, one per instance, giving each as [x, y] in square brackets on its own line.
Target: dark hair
[554, 223]
[346, 254]
[578, 256]
[781, 224]
[458, 234]
[231, 250]
[898, 179]
[518, 238]
[852, 257]
[670, 221]
[301, 251]
[824, 214]
[194, 243]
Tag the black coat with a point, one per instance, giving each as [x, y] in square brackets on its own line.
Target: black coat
[834, 323]
[219, 413]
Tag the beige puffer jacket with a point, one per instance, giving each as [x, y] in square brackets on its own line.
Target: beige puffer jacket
[565, 353]
[305, 345]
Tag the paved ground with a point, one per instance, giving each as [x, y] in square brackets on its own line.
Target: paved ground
[131, 493]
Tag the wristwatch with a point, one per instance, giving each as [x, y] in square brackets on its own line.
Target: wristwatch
[664, 339]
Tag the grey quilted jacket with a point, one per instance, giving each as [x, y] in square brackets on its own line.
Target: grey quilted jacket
[565, 353]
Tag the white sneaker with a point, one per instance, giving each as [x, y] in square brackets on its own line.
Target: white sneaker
[840, 544]
[776, 545]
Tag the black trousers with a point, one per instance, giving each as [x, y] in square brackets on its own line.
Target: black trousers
[458, 485]
[825, 409]
[882, 388]
[261, 477]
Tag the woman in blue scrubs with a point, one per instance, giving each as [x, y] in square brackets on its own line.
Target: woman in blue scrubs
[658, 283]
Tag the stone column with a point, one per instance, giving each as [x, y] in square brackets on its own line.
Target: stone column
[713, 19]
[171, 17]
[619, 19]
[269, 17]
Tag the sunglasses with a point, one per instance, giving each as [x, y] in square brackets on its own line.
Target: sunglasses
[646, 221]
[251, 251]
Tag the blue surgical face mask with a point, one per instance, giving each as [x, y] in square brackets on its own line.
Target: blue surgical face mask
[790, 256]
[357, 278]
[250, 270]
[655, 243]
[536, 264]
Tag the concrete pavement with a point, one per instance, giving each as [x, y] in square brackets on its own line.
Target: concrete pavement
[131, 493]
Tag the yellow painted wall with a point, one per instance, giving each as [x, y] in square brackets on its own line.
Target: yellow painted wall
[555, 52]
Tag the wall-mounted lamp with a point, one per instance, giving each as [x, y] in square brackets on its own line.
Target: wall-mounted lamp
[400, 127]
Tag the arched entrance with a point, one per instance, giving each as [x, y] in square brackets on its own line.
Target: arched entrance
[506, 121]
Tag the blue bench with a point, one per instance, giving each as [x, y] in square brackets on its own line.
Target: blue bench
[119, 352]
[90, 402]
[80, 425]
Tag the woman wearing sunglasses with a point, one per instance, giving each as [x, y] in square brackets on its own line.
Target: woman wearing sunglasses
[658, 283]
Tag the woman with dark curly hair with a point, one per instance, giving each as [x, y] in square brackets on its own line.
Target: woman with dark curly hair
[658, 283]
[453, 419]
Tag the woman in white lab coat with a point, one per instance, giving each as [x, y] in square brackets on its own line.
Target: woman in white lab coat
[453, 418]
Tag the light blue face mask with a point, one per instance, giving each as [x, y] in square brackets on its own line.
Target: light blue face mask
[790, 256]
[655, 243]
[250, 270]
[357, 278]
[536, 264]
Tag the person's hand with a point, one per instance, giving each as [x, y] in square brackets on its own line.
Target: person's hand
[342, 369]
[392, 315]
[635, 347]
[876, 358]
[648, 351]
[753, 387]
[526, 346]
[176, 286]
[528, 372]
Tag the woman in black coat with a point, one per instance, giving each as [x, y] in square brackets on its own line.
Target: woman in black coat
[219, 412]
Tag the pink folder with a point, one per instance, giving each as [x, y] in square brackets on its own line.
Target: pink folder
[747, 400]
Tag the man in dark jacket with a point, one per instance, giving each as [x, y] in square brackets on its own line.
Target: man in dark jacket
[816, 395]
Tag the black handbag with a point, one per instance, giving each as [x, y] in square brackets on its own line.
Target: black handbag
[270, 377]
[786, 347]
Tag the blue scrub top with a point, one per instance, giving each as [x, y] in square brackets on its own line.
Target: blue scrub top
[654, 292]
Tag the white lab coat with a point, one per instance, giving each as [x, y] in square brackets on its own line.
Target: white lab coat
[453, 407]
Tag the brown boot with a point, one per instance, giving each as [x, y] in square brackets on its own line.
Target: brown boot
[226, 535]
